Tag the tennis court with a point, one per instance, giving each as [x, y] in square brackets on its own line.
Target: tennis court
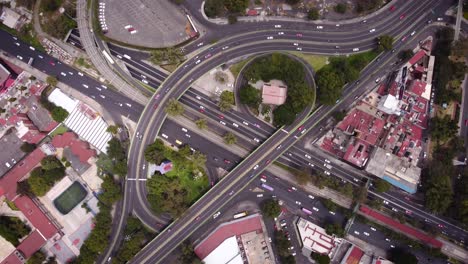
[70, 198]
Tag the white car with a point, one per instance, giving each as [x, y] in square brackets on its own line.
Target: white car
[187, 135]
[440, 19]
[310, 164]
[19, 57]
[164, 136]
[144, 81]
[332, 213]
[385, 202]
[308, 156]
[262, 180]
[63, 74]
[277, 26]
[85, 86]
[234, 124]
[294, 188]
[200, 44]
[222, 122]
[319, 27]
[296, 44]
[280, 33]
[17, 44]
[356, 232]
[216, 215]
[270, 37]
[198, 97]
[315, 209]
[31, 48]
[225, 48]
[245, 123]
[327, 172]
[373, 229]
[327, 161]
[40, 56]
[256, 140]
[198, 61]
[412, 33]
[298, 203]
[372, 30]
[311, 196]
[103, 86]
[184, 129]
[386, 239]
[299, 49]
[392, 246]
[256, 167]
[127, 104]
[99, 89]
[102, 96]
[356, 49]
[367, 234]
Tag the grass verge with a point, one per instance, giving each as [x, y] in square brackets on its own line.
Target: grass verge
[236, 68]
[59, 130]
[316, 61]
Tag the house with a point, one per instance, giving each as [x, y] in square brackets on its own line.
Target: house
[10, 18]
[274, 94]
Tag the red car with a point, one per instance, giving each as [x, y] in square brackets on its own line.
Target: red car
[300, 128]
[299, 35]
[402, 16]
[268, 162]
[227, 161]
[263, 176]
[221, 116]
[155, 106]
[392, 8]
[404, 38]
[52, 63]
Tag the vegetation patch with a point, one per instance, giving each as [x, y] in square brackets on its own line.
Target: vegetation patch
[316, 61]
[331, 78]
[136, 237]
[12, 229]
[236, 68]
[115, 162]
[215, 8]
[59, 130]
[54, 22]
[70, 198]
[43, 178]
[280, 67]
[178, 188]
[282, 245]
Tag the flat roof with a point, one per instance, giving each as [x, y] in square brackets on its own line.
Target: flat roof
[31, 244]
[226, 252]
[227, 230]
[314, 237]
[419, 55]
[273, 94]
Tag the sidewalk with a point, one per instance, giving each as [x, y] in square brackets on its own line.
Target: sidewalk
[224, 21]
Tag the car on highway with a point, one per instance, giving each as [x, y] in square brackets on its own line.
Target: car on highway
[296, 44]
[221, 116]
[356, 232]
[367, 234]
[307, 156]
[17, 44]
[19, 57]
[300, 128]
[267, 162]
[327, 173]
[255, 167]
[440, 19]
[392, 8]
[298, 203]
[222, 122]
[372, 30]
[144, 81]
[356, 49]
[315, 209]
[311, 196]
[197, 62]
[208, 55]
[235, 124]
[225, 48]
[277, 26]
[299, 35]
[327, 161]
[216, 215]
[319, 27]
[52, 63]
[102, 96]
[256, 140]
[280, 33]
[294, 188]
[200, 44]
[402, 16]
[332, 213]
[63, 74]
[404, 38]
[270, 37]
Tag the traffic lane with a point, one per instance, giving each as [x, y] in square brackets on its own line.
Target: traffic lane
[73, 78]
[140, 65]
[146, 79]
[248, 121]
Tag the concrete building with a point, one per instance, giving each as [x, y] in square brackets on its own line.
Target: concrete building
[236, 242]
[315, 239]
[10, 18]
[274, 93]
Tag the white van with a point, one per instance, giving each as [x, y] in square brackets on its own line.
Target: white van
[356, 49]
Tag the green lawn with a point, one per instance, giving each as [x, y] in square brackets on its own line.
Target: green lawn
[70, 198]
[236, 68]
[195, 188]
[59, 130]
[316, 61]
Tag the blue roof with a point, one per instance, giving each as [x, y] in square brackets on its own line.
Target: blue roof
[406, 186]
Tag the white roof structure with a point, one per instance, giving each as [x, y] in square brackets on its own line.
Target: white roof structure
[389, 105]
[83, 120]
[315, 238]
[10, 18]
[227, 252]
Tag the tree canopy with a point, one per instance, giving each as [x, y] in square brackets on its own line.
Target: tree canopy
[313, 14]
[271, 208]
[174, 107]
[226, 100]
[320, 258]
[250, 96]
[52, 81]
[27, 147]
[443, 128]
[230, 138]
[385, 42]
[402, 256]
[382, 186]
[341, 8]
[59, 114]
[201, 123]
[13, 229]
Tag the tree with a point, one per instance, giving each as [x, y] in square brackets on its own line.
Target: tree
[198, 159]
[32, 78]
[302, 177]
[168, 55]
[348, 189]
[113, 129]
[313, 14]
[250, 96]
[166, 194]
[365, 5]
[271, 208]
[120, 168]
[174, 107]
[59, 114]
[361, 195]
[52, 81]
[405, 55]
[50, 162]
[382, 186]
[154, 152]
[226, 100]
[236, 6]
[320, 258]
[37, 258]
[385, 42]
[115, 150]
[111, 191]
[292, 2]
[401, 256]
[232, 19]
[213, 8]
[330, 205]
[230, 138]
[27, 147]
[201, 123]
[335, 229]
[341, 8]
[443, 128]
[12, 99]
[283, 116]
[188, 254]
[339, 115]
[329, 86]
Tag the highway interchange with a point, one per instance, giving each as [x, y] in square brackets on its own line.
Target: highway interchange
[239, 45]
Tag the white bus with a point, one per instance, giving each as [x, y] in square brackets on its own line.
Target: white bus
[108, 57]
[239, 215]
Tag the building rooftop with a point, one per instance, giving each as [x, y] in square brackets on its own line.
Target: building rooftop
[357, 153]
[227, 252]
[10, 18]
[11, 152]
[39, 115]
[315, 238]
[353, 255]
[77, 147]
[367, 127]
[31, 244]
[417, 57]
[224, 231]
[274, 94]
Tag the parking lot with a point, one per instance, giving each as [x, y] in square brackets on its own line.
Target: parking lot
[143, 22]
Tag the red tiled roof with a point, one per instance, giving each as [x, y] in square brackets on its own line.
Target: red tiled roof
[235, 228]
[78, 147]
[357, 153]
[38, 219]
[417, 57]
[31, 244]
[403, 228]
[355, 256]
[12, 259]
[417, 87]
[368, 127]
[9, 180]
